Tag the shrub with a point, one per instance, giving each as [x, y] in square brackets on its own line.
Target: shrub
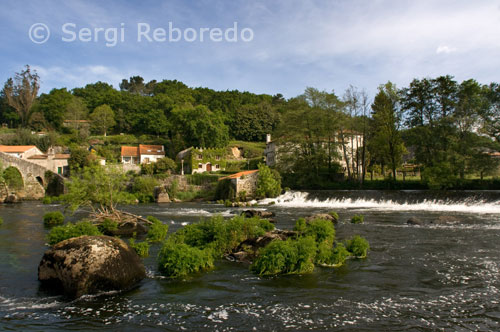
[329, 256]
[108, 226]
[286, 257]
[1, 221]
[321, 230]
[164, 165]
[223, 235]
[53, 218]
[300, 226]
[179, 259]
[334, 214]
[157, 230]
[64, 232]
[268, 182]
[141, 248]
[143, 188]
[358, 246]
[47, 200]
[357, 219]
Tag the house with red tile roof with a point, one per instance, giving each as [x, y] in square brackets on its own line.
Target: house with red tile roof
[20, 151]
[142, 154]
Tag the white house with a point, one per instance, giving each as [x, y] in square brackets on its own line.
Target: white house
[142, 154]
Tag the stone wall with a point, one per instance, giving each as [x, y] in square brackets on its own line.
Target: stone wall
[247, 183]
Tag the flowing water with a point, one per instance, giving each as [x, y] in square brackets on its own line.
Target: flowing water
[416, 278]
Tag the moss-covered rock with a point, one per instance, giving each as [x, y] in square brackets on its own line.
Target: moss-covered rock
[91, 264]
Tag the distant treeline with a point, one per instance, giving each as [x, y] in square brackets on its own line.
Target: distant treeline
[449, 129]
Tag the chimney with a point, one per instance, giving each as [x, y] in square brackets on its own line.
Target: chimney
[268, 138]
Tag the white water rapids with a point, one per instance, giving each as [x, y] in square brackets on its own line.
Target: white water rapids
[298, 199]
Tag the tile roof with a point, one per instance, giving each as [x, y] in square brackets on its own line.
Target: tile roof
[239, 174]
[130, 151]
[62, 156]
[16, 148]
[151, 149]
[38, 156]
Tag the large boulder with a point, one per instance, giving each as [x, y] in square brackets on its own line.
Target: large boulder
[91, 264]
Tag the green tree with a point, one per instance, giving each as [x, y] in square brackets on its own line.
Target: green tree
[103, 118]
[200, 127]
[268, 182]
[21, 93]
[54, 105]
[386, 138]
[99, 188]
[79, 159]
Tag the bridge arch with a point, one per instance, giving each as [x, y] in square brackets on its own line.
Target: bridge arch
[33, 175]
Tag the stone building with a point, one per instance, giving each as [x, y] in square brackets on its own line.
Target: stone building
[52, 161]
[200, 160]
[243, 183]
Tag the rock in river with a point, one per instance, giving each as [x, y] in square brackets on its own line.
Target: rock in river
[414, 221]
[324, 216]
[257, 213]
[91, 264]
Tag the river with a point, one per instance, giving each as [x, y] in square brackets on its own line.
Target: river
[416, 278]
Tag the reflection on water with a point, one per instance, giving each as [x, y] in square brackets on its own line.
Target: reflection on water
[436, 277]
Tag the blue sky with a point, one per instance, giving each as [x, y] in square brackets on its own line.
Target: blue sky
[324, 44]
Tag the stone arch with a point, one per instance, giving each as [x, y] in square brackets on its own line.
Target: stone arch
[14, 178]
[40, 180]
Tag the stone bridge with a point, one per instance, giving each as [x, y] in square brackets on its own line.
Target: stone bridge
[34, 178]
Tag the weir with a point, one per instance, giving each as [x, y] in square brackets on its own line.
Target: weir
[487, 202]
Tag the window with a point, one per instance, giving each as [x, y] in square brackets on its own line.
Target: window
[59, 170]
[200, 157]
[217, 157]
[200, 166]
[216, 166]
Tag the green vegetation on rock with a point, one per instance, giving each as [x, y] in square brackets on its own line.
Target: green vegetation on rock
[293, 256]
[194, 247]
[69, 230]
[53, 218]
[157, 230]
[358, 246]
[357, 219]
[108, 226]
[141, 248]
[179, 259]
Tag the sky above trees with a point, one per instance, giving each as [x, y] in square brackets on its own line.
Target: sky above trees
[325, 44]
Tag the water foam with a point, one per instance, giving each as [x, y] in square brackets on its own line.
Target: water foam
[298, 199]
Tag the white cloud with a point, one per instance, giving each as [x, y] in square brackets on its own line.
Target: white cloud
[78, 76]
[445, 49]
